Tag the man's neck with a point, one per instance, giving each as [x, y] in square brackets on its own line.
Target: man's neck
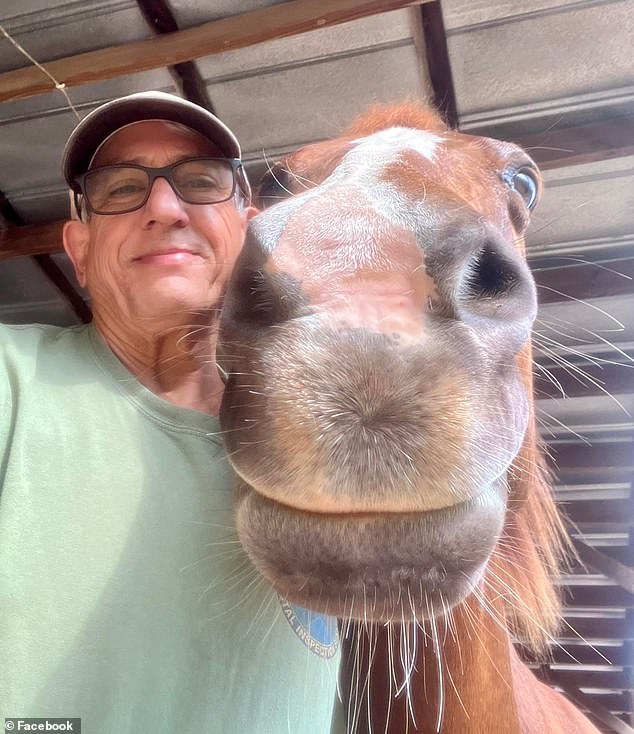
[177, 363]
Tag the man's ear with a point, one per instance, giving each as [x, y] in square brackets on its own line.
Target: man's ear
[246, 215]
[76, 237]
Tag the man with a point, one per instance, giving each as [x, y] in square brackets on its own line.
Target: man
[125, 597]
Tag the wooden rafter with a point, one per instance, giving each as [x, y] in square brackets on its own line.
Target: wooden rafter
[46, 263]
[226, 34]
[58, 278]
[568, 143]
[39, 239]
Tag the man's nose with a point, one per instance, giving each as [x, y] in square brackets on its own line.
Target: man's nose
[164, 205]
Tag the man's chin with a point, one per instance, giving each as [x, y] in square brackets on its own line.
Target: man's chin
[176, 306]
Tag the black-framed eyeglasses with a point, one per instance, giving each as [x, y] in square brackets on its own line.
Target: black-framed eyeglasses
[123, 188]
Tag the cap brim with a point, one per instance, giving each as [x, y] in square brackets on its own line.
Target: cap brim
[97, 126]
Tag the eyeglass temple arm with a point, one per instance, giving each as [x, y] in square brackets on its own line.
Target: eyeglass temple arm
[243, 183]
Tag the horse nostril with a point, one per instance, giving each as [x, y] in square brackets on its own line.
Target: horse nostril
[495, 285]
[489, 275]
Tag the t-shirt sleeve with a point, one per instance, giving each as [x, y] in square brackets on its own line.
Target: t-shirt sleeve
[5, 392]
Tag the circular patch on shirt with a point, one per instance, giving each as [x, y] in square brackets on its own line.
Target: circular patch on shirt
[317, 631]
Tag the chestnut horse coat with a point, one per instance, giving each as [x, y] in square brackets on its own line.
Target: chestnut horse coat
[379, 413]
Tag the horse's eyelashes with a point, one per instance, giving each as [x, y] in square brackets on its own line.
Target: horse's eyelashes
[273, 186]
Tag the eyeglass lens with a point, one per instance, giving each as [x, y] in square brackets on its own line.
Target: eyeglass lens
[113, 189]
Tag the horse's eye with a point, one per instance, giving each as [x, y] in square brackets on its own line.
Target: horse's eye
[525, 182]
[273, 187]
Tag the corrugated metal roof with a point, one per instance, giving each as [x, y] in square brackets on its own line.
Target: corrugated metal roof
[517, 71]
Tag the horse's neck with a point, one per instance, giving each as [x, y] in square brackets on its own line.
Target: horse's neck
[484, 687]
[474, 693]
[476, 667]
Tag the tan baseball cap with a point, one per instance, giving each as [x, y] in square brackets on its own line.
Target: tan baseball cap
[102, 122]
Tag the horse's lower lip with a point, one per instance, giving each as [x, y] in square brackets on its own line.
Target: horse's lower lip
[336, 564]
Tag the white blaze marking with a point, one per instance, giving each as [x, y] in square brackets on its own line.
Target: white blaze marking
[397, 138]
[359, 167]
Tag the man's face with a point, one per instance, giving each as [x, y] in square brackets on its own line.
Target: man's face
[168, 258]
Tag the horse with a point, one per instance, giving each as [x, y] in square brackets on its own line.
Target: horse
[379, 414]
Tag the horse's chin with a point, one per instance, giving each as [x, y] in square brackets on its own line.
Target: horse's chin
[374, 567]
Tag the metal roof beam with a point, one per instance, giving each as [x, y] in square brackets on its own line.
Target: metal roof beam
[570, 654]
[595, 630]
[580, 458]
[436, 52]
[608, 679]
[597, 597]
[588, 280]
[600, 512]
[576, 144]
[612, 722]
[584, 381]
[160, 18]
[618, 572]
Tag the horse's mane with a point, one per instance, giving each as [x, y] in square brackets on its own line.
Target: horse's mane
[406, 114]
[535, 543]
[530, 553]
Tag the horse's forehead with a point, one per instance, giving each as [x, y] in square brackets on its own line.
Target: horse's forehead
[394, 139]
[388, 179]
[443, 169]
[450, 160]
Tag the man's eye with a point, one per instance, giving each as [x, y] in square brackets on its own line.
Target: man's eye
[118, 191]
[201, 182]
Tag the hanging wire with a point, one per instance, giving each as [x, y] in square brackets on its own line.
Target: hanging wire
[58, 85]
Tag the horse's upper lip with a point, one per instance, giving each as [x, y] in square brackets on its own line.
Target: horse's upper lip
[487, 497]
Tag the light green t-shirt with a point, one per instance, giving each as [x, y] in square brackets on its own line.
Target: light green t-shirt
[125, 597]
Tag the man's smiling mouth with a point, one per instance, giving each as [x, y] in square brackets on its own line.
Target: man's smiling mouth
[168, 256]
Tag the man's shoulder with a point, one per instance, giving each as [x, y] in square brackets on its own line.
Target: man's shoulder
[25, 334]
[26, 343]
